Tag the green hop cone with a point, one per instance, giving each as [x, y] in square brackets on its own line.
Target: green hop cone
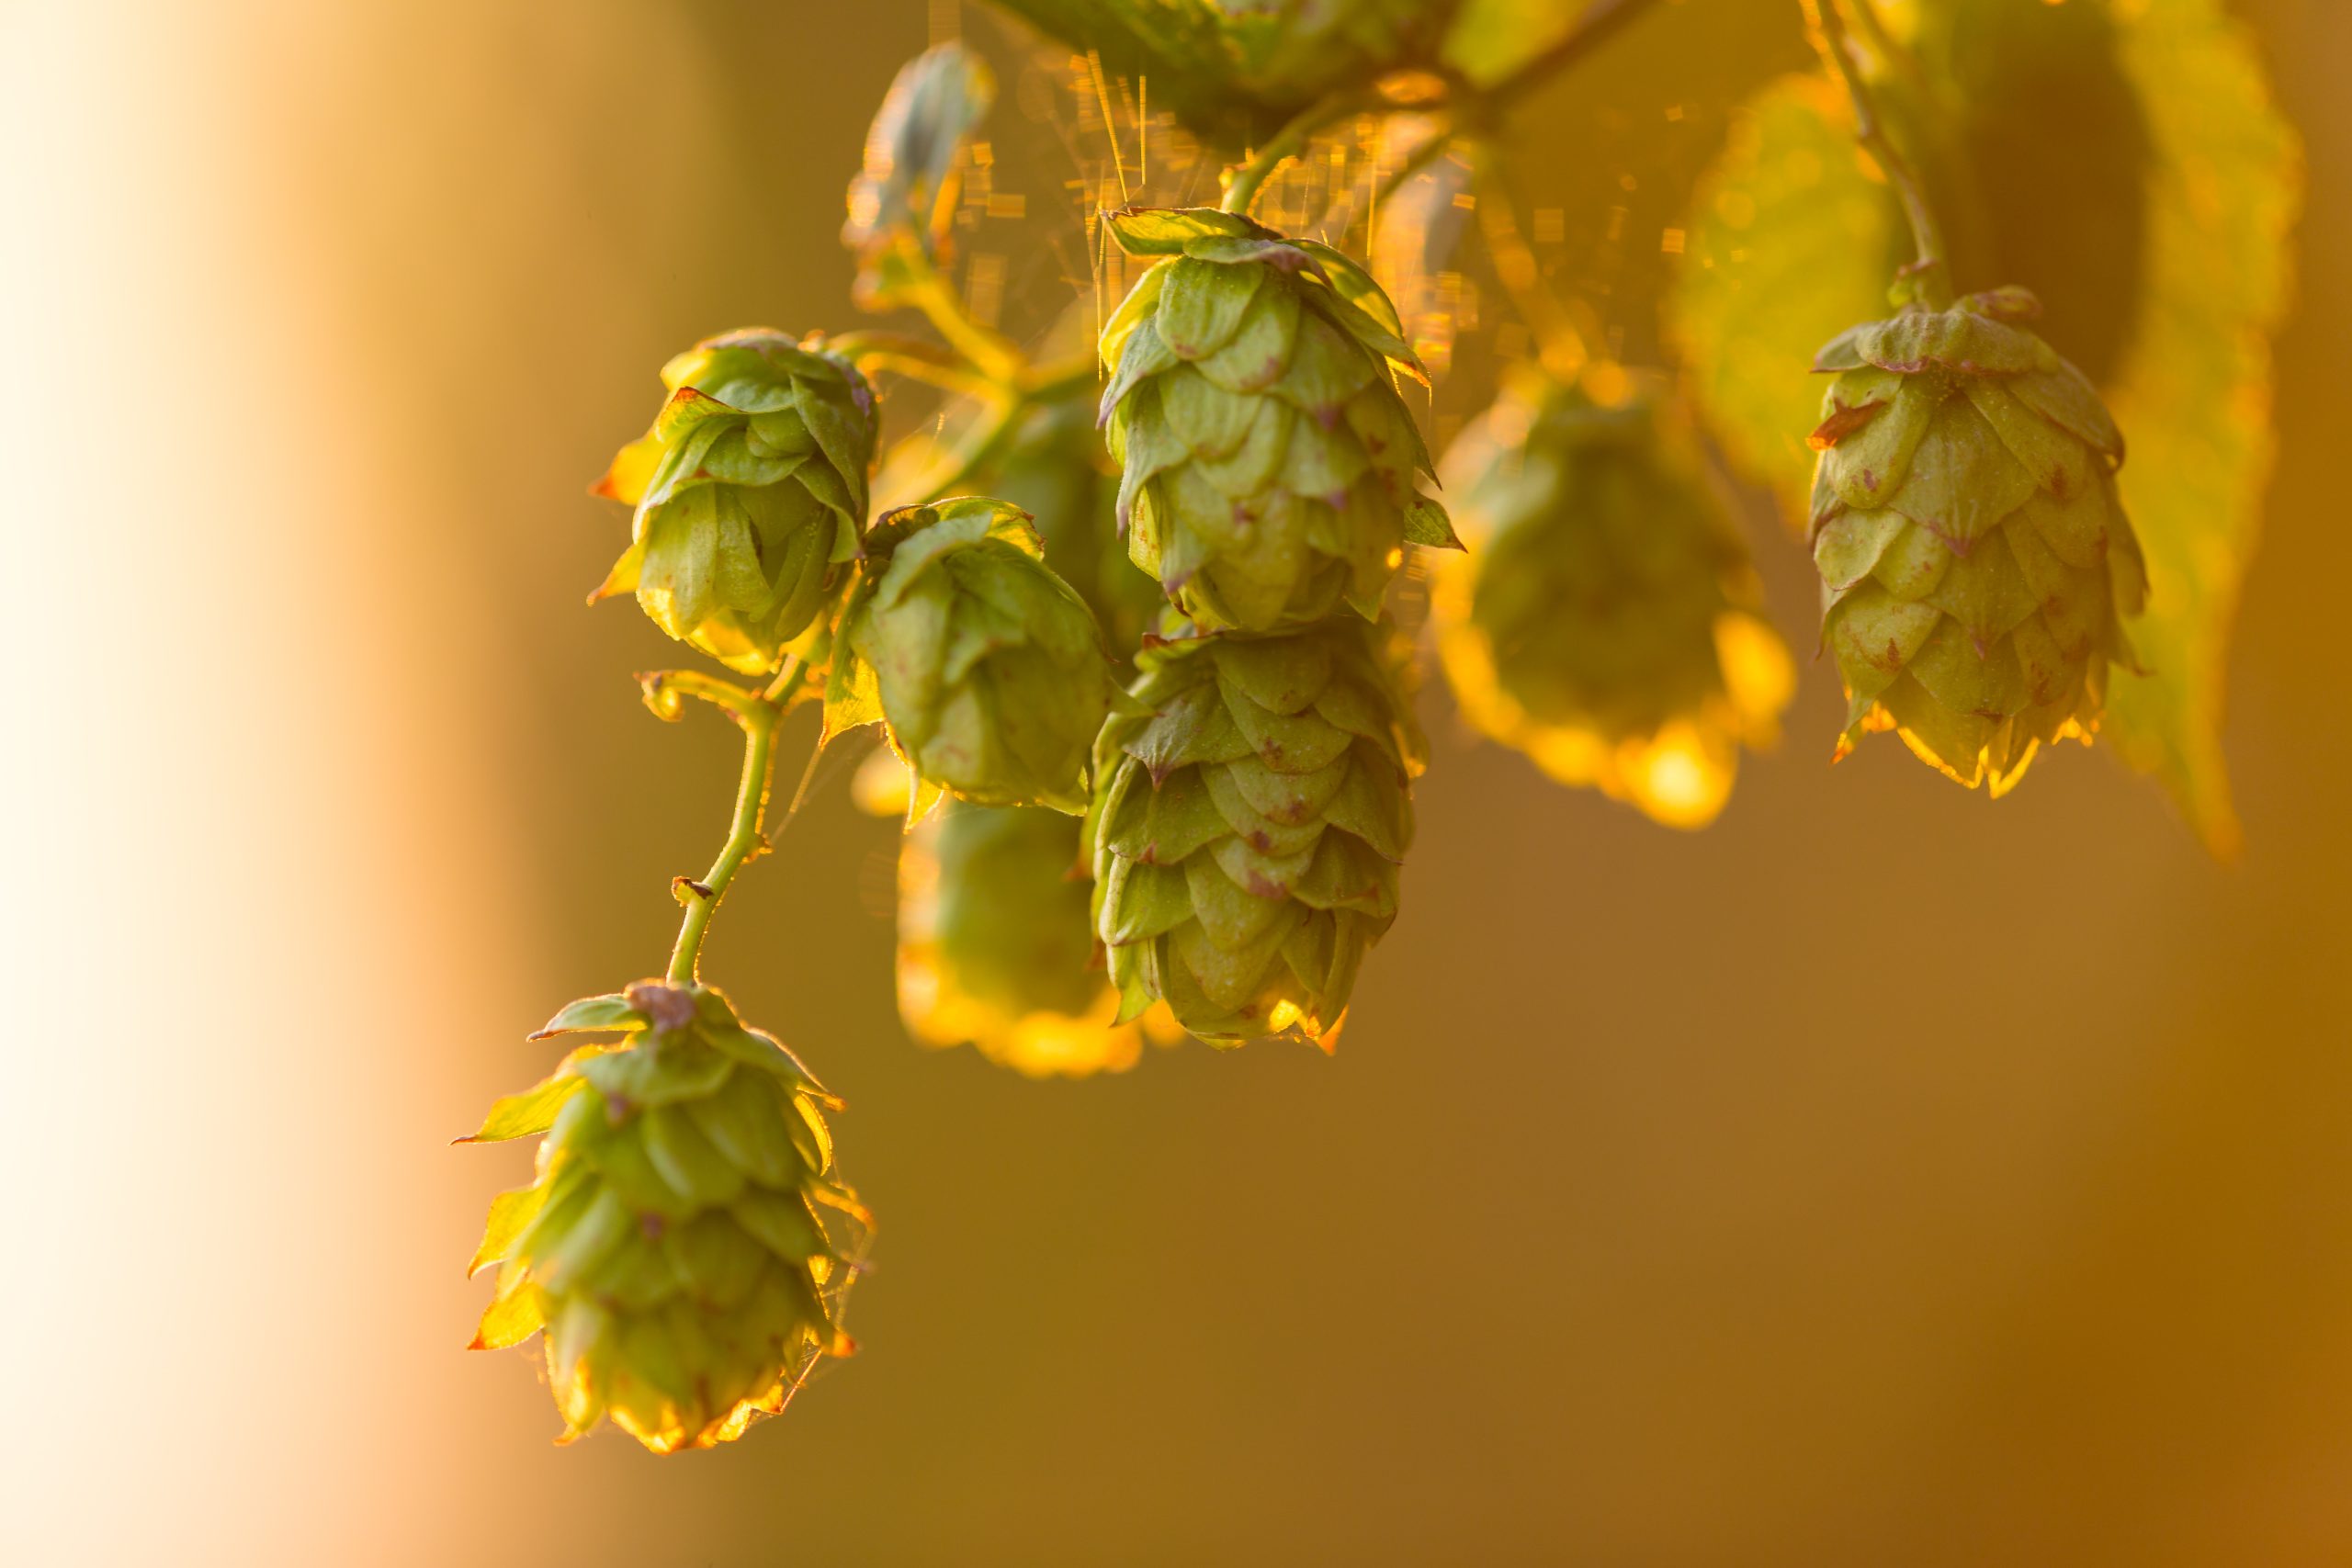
[996, 945]
[1606, 620]
[673, 1247]
[987, 670]
[1268, 462]
[1248, 829]
[750, 491]
[1976, 566]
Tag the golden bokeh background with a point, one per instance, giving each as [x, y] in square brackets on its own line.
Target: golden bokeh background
[1881, 1176]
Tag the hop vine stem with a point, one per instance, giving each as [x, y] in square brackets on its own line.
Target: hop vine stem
[1825, 21]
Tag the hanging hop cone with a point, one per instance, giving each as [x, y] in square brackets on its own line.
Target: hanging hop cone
[673, 1247]
[996, 945]
[987, 670]
[1248, 829]
[1976, 566]
[750, 491]
[1268, 462]
[1606, 620]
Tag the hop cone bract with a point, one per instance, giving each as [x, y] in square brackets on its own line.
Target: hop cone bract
[996, 943]
[1249, 829]
[1606, 620]
[1976, 566]
[750, 491]
[1268, 462]
[987, 669]
[672, 1248]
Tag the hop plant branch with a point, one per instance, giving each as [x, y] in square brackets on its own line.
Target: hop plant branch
[757, 718]
[1558, 345]
[1825, 21]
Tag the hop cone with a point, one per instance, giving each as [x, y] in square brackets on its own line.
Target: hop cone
[996, 943]
[671, 1247]
[1976, 566]
[1606, 621]
[1268, 462]
[987, 670]
[1248, 830]
[749, 492]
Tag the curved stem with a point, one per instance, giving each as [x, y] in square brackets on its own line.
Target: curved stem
[745, 838]
[1243, 182]
[1826, 21]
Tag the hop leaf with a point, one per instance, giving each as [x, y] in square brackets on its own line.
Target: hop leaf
[1606, 620]
[1247, 827]
[749, 492]
[674, 1248]
[1976, 566]
[987, 670]
[1268, 465]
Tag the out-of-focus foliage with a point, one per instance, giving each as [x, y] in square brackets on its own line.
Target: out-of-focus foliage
[2124, 163]
[1604, 618]
[905, 192]
[1233, 70]
[996, 945]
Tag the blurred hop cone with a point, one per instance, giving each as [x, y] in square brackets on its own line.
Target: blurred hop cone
[750, 491]
[996, 946]
[987, 670]
[1248, 830]
[673, 1247]
[1976, 566]
[1268, 463]
[1605, 620]
[1294, 50]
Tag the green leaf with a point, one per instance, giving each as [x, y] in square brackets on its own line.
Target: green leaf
[1787, 247]
[2194, 397]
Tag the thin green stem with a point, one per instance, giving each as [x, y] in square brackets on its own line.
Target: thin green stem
[987, 350]
[744, 838]
[917, 359]
[1243, 181]
[1826, 21]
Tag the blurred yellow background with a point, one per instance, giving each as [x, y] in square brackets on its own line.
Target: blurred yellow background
[1644, 1215]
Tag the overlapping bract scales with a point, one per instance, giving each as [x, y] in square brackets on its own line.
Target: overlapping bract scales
[1248, 831]
[996, 945]
[676, 1246]
[1268, 463]
[1976, 562]
[1605, 620]
[987, 669]
[749, 492]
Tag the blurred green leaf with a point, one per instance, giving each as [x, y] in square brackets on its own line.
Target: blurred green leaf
[2223, 188]
[2126, 163]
